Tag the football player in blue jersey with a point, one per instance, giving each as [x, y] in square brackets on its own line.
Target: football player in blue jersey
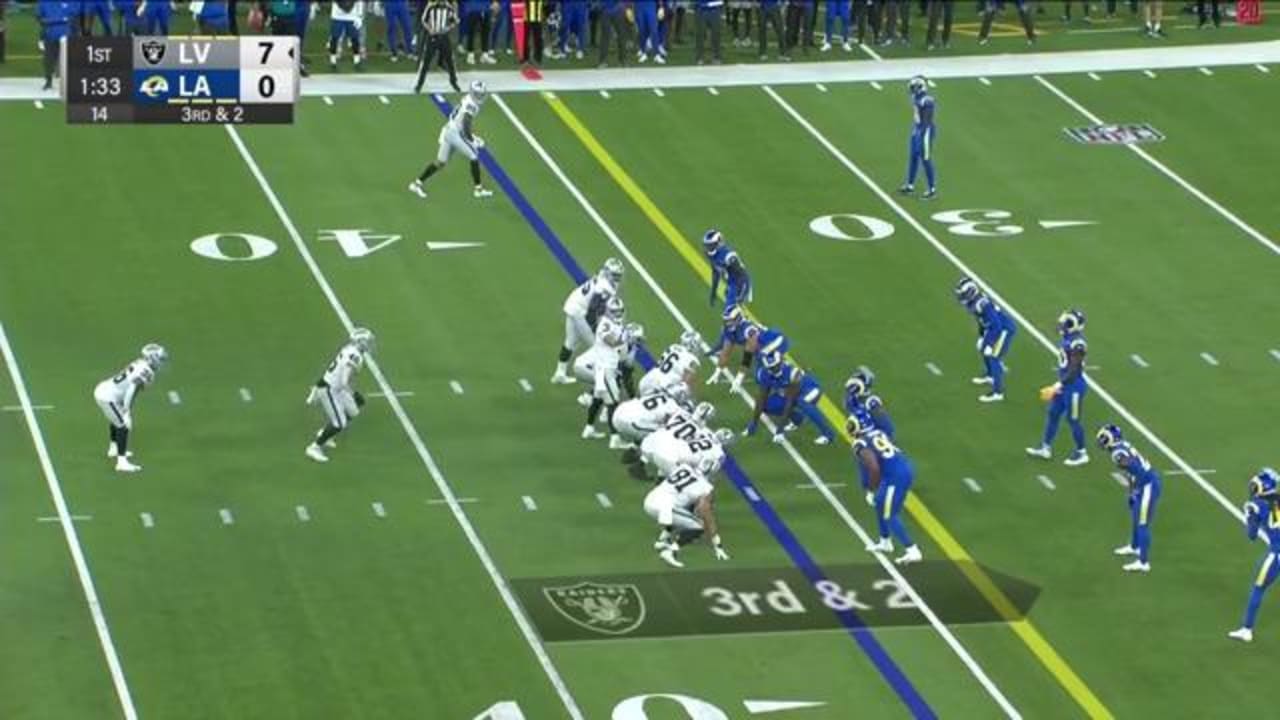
[1144, 494]
[726, 265]
[891, 478]
[754, 339]
[1066, 396]
[859, 399]
[923, 133]
[1262, 522]
[788, 393]
[995, 335]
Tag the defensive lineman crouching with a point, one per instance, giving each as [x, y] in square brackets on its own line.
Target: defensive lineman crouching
[682, 505]
[115, 397]
[339, 401]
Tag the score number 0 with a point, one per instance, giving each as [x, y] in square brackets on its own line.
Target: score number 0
[268, 70]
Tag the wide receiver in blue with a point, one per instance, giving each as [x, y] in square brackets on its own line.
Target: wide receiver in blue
[891, 477]
[1144, 494]
[1262, 522]
[726, 265]
[995, 334]
[1066, 396]
[923, 133]
[789, 394]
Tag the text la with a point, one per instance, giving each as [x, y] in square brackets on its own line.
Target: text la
[194, 86]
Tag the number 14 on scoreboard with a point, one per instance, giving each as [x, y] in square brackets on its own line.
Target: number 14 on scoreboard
[268, 69]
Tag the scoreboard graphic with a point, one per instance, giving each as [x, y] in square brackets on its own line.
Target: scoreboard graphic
[181, 80]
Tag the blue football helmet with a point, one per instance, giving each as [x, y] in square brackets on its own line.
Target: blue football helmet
[732, 316]
[711, 241]
[967, 291]
[1264, 484]
[772, 362]
[859, 383]
[917, 85]
[858, 423]
[1071, 321]
[1109, 436]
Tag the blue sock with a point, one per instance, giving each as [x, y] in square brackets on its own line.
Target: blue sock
[899, 530]
[1051, 427]
[865, 476]
[1077, 433]
[881, 523]
[928, 172]
[1142, 541]
[1251, 612]
[913, 167]
[995, 371]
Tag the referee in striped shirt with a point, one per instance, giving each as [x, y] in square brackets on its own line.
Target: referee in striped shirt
[439, 19]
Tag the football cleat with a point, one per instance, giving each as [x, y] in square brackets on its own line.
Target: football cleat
[1077, 458]
[331, 443]
[1041, 451]
[125, 466]
[991, 397]
[416, 188]
[883, 545]
[617, 443]
[789, 427]
[912, 555]
[822, 440]
[561, 378]
[585, 399]
[1243, 634]
[112, 451]
[907, 190]
[1125, 550]
[931, 194]
[826, 47]
[480, 192]
[984, 380]
[1137, 566]
[668, 555]
[316, 453]
[589, 432]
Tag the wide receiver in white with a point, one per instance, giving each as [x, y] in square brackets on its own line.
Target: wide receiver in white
[677, 366]
[339, 401]
[115, 397]
[582, 310]
[682, 505]
[458, 136]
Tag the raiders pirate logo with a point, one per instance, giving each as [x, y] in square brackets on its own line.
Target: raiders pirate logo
[153, 51]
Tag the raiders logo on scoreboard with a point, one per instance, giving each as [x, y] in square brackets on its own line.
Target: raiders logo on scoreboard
[153, 51]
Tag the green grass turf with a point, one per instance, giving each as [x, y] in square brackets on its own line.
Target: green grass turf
[1121, 31]
[354, 616]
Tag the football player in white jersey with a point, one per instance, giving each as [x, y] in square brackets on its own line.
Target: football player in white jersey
[582, 310]
[677, 366]
[602, 365]
[682, 505]
[683, 438]
[636, 418]
[458, 136]
[115, 397]
[336, 395]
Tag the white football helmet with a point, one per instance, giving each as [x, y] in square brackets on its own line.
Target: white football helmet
[155, 355]
[478, 90]
[691, 340]
[724, 436]
[633, 332]
[708, 465]
[363, 338]
[613, 270]
[704, 412]
[615, 308]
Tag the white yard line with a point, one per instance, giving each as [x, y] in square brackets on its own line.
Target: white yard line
[1120, 479]
[446, 501]
[55, 518]
[174, 398]
[1035, 332]
[876, 85]
[973, 484]
[245, 395]
[499, 582]
[1202, 471]
[604, 94]
[525, 385]
[1164, 169]
[1209, 358]
[933, 369]
[123, 696]
[1275, 353]
[529, 503]
[397, 393]
[821, 87]
[384, 99]
[379, 510]
[984, 81]
[811, 486]
[303, 513]
[1205, 71]
[20, 408]
[843, 512]
[1046, 481]
[39, 104]
[658, 91]
[604, 501]
[328, 100]
[1137, 360]
[1094, 76]
[1262, 68]
[147, 521]
[713, 90]
[1149, 74]
[456, 387]
[226, 516]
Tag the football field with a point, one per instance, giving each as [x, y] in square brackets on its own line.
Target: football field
[467, 555]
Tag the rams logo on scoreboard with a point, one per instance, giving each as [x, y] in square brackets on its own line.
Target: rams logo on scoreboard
[153, 51]
[154, 86]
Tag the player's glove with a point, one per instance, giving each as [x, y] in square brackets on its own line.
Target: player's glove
[312, 394]
[478, 141]
[789, 427]
[359, 398]
[987, 350]
[871, 498]
[1049, 392]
